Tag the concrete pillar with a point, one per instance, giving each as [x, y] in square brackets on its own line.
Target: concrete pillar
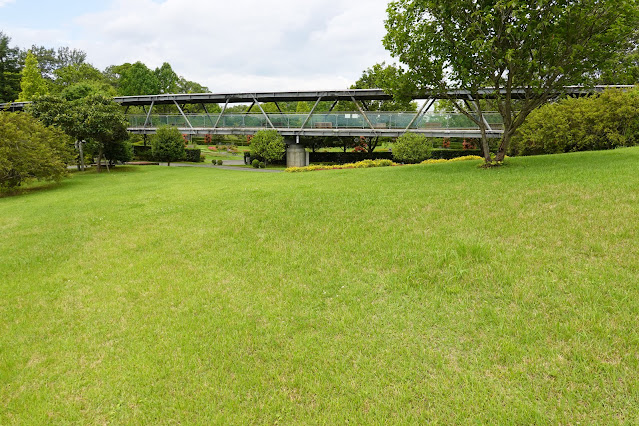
[296, 155]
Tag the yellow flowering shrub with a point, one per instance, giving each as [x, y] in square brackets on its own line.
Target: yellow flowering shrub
[441, 160]
[359, 165]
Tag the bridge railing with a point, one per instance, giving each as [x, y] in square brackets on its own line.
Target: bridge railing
[334, 120]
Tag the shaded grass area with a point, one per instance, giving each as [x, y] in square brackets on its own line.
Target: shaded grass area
[421, 293]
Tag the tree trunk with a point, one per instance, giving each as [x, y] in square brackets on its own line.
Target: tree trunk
[100, 159]
[503, 146]
[485, 147]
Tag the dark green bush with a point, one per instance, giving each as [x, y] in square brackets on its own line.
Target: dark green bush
[262, 165]
[605, 121]
[193, 155]
[142, 153]
[220, 162]
[255, 163]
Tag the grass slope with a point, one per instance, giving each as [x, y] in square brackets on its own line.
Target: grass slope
[443, 293]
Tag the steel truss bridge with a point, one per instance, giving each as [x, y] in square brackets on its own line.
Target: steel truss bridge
[360, 122]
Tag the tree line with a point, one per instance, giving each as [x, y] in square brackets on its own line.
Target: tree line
[28, 73]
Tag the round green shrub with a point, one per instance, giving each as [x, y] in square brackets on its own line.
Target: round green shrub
[412, 148]
[255, 163]
[220, 162]
[168, 145]
[262, 165]
[269, 145]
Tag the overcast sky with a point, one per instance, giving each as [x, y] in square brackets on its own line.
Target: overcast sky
[227, 45]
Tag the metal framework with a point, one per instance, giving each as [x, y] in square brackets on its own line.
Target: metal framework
[358, 96]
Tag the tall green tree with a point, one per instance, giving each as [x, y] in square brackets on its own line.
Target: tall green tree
[136, 79]
[538, 46]
[46, 57]
[67, 56]
[9, 70]
[167, 78]
[32, 83]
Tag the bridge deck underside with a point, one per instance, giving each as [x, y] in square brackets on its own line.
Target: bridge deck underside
[392, 133]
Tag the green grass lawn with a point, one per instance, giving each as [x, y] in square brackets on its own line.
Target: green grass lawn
[443, 293]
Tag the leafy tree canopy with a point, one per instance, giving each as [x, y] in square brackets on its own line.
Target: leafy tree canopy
[9, 70]
[539, 46]
[95, 119]
[136, 79]
[30, 150]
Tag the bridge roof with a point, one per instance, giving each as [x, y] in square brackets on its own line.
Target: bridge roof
[216, 98]
[331, 95]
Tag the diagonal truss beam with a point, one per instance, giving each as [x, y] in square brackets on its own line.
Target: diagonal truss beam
[263, 113]
[148, 115]
[308, 117]
[221, 114]
[478, 112]
[364, 114]
[421, 110]
[207, 112]
[183, 115]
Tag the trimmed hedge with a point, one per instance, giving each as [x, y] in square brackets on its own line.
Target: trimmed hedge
[142, 153]
[449, 154]
[347, 157]
[193, 155]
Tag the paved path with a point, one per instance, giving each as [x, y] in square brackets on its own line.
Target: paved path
[225, 167]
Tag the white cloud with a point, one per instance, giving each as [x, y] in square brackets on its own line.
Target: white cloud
[5, 2]
[242, 45]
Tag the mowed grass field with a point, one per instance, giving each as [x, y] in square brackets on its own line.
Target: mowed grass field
[442, 293]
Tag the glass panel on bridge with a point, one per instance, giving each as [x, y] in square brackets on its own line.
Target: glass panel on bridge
[341, 120]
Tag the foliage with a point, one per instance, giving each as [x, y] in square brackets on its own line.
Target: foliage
[136, 79]
[378, 76]
[167, 78]
[9, 70]
[412, 148]
[28, 149]
[32, 84]
[121, 151]
[538, 46]
[168, 145]
[269, 145]
[193, 155]
[365, 164]
[442, 160]
[607, 121]
[255, 163]
[95, 119]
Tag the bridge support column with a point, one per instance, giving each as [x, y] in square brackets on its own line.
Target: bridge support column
[296, 155]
